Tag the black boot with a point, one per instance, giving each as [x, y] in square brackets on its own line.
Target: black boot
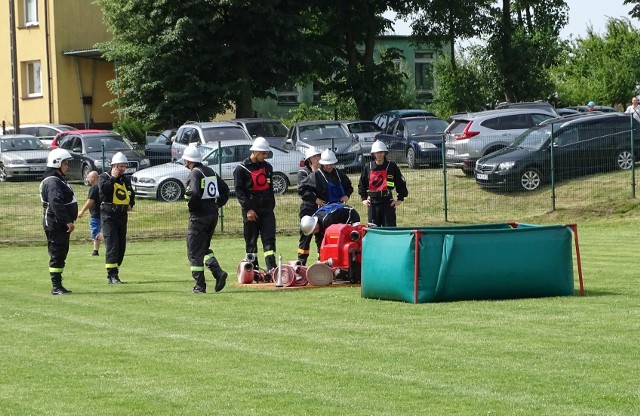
[56, 283]
[220, 275]
[201, 284]
[112, 277]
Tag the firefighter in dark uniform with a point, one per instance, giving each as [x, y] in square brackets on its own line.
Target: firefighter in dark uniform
[205, 193]
[330, 184]
[309, 203]
[118, 199]
[326, 216]
[254, 191]
[60, 209]
[378, 180]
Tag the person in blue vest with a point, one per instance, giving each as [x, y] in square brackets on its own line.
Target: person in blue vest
[325, 216]
[378, 180]
[60, 211]
[329, 184]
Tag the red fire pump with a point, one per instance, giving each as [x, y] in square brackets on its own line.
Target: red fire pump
[342, 249]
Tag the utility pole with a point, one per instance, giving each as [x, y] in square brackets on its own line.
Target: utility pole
[14, 68]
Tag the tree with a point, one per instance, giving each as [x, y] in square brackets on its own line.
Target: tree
[635, 11]
[191, 59]
[601, 68]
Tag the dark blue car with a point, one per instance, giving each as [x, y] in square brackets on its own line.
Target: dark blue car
[414, 140]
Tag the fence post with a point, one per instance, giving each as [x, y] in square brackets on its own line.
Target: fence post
[444, 180]
[552, 172]
[633, 158]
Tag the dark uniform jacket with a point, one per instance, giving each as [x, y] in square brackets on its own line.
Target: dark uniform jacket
[307, 194]
[253, 186]
[336, 214]
[206, 191]
[114, 192]
[316, 184]
[382, 187]
[59, 204]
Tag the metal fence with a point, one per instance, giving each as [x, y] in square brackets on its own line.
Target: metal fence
[436, 196]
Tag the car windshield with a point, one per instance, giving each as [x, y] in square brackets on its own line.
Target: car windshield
[368, 127]
[215, 134]
[534, 138]
[21, 143]
[267, 129]
[94, 143]
[427, 126]
[322, 132]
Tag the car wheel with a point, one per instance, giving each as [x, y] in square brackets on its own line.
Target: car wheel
[280, 183]
[86, 169]
[170, 190]
[411, 158]
[3, 173]
[624, 160]
[530, 179]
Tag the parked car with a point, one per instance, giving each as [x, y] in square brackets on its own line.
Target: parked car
[58, 137]
[470, 136]
[384, 118]
[564, 111]
[44, 132]
[207, 132]
[415, 140]
[22, 155]
[88, 150]
[271, 129]
[364, 131]
[167, 182]
[535, 105]
[158, 146]
[327, 135]
[579, 145]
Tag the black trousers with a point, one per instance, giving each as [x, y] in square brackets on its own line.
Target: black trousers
[381, 213]
[265, 228]
[114, 230]
[304, 243]
[58, 247]
[199, 234]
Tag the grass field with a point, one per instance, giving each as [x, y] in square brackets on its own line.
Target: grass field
[148, 347]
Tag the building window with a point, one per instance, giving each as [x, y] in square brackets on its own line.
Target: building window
[33, 79]
[30, 12]
[288, 94]
[424, 75]
[318, 95]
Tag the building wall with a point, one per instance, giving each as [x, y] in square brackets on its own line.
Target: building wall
[71, 25]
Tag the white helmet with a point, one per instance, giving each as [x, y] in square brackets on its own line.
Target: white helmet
[119, 158]
[378, 146]
[328, 157]
[311, 151]
[191, 154]
[260, 144]
[308, 224]
[56, 156]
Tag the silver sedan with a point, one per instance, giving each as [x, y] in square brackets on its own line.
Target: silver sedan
[22, 155]
[167, 182]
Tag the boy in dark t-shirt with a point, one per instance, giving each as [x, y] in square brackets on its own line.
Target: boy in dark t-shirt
[93, 205]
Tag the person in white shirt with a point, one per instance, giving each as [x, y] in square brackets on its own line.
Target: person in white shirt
[634, 109]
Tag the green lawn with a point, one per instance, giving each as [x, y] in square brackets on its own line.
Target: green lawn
[148, 347]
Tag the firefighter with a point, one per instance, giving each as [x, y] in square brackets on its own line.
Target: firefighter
[118, 199]
[309, 203]
[205, 193]
[326, 216]
[329, 183]
[254, 190]
[60, 210]
[378, 180]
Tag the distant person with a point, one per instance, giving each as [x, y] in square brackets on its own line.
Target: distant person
[60, 210]
[591, 106]
[117, 199]
[634, 109]
[93, 205]
[378, 180]
[205, 193]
